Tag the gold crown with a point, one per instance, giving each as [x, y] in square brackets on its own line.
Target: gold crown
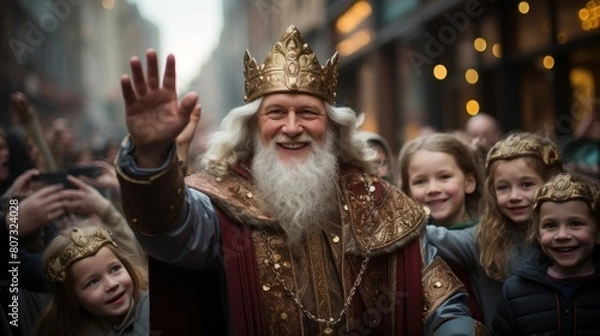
[291, 66]
[562, 188]
[82, 245]
[520, 145]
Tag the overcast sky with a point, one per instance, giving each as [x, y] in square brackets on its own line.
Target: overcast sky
[189, 29]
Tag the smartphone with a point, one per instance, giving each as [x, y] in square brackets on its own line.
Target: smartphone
[88, 171]
[49, 178]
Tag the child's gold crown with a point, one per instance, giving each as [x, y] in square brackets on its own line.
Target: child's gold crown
[291, 66]
[82, 245]
[562, 188]
[523, 145]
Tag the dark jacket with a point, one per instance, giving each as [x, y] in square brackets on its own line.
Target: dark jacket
[531, 304]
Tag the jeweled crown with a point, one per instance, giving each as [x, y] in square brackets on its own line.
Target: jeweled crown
[523, 145]
[83, 244]
[562, 188]
[290, 66]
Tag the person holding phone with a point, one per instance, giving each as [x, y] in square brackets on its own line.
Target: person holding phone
[39, 212]
[83, 201]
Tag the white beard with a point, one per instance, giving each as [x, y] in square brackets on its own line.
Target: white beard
[300, 195]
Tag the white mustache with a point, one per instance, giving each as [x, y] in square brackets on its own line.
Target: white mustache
[299, 138]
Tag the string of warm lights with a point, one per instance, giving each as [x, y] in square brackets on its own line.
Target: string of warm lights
[349, 24]
[590, 15]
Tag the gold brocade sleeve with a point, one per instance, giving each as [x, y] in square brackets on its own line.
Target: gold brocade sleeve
[438, 283]
[152, 205]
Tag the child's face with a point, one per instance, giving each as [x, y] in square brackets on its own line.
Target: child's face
[436, 181]
[102, 285]
[514, 185]
[568, 235]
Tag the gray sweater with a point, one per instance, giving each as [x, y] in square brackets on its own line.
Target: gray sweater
[460, 247]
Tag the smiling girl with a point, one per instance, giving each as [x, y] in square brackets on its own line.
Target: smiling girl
[97, 289]
[440, 172]
[516, 166]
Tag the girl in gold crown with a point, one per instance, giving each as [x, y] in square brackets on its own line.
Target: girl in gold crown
[492, 250]
[561, 284]
[97, 288]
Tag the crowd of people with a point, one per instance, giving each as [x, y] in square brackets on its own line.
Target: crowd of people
[294, 221]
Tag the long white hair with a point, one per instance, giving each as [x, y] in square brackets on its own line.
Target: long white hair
[234, 141]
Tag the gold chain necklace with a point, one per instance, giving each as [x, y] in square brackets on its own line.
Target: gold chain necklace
[363, 267]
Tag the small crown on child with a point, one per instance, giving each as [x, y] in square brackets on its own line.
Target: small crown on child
[82, 245]
[562, 189]
[291, 66]
[515, 146]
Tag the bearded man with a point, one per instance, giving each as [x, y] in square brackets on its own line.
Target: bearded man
[286, 230]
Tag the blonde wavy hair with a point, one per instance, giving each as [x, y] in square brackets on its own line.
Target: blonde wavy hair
[234, 141]
[496, 234]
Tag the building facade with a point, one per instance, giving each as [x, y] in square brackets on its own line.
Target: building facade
[67, 57]
[412, 64]
[416, 65]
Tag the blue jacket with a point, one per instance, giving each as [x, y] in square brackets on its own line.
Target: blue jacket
[531, 304]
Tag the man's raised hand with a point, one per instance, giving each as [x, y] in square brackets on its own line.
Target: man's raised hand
[154, 115]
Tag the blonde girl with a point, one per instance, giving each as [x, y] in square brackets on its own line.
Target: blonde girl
[97, 288]
[515, 168]
[494, 249]
[441, 173]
